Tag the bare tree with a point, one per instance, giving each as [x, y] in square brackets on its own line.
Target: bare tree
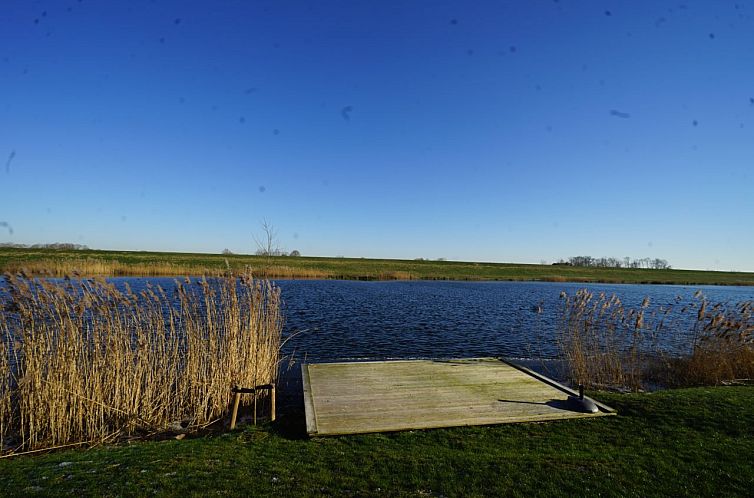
[267, 244]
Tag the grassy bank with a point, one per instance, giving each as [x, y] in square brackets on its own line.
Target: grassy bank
[673, 443]
[120, 263]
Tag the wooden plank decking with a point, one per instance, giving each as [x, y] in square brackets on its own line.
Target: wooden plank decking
[352, 398]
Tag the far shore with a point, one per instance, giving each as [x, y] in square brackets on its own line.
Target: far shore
[91, 263]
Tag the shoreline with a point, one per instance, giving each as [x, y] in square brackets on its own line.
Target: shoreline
[91, 263]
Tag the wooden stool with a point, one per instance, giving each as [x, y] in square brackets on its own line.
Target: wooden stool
[252, 390]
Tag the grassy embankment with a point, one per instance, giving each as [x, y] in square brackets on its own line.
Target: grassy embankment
[674, 443]
[120, 263]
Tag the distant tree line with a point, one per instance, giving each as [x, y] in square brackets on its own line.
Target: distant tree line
[57, 245]
[588, 261]
[277, 252]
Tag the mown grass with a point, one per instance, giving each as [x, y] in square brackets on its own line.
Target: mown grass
[690, 442]
[121, 263]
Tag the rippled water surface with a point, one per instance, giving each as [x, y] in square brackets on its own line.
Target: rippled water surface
[328, 320]
[347, 320]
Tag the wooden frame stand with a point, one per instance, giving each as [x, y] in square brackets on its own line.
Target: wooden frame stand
[238, 391]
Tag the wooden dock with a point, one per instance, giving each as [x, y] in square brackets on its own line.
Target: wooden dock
[382, 396]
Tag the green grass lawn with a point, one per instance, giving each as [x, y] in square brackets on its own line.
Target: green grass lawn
[371, 269]
[690, 442]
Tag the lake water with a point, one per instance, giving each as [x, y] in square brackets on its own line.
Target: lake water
[335, 320]
[348, 320]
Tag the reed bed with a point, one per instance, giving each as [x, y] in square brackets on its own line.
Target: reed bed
[604, 344]
[288, 272]
[93, 267]
[396, 275]
[84, 362]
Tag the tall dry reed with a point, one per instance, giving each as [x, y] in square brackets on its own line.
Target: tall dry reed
[599, 339]
[5, 391]
[91, 267]
[722, 348]
[605, 344]
[85, 361]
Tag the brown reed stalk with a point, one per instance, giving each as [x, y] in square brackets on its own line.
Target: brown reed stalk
[723, 348]
[83, 360]
[91, 267]
[5, 386]
[592, 339]
[606, 345]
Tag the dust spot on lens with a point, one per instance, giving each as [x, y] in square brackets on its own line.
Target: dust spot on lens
[11, 156]
[177, 21]
[469, 51]
[454, 22]
[276, 132]
[262, 189]
[242, 120]
[712, 36]
[346, 112]
[695, 123]
[7, 225]
[619, 114]
[512, 49]
[608, 13]
[123, 218]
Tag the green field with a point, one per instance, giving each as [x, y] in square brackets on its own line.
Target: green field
[689, 442]
[154, 263]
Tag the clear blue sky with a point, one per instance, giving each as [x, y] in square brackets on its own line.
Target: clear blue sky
[513, 131]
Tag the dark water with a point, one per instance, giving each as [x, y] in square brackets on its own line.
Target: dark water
[331, 320]
[347, 320]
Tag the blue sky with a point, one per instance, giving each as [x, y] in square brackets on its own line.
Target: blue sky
[511, 131]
